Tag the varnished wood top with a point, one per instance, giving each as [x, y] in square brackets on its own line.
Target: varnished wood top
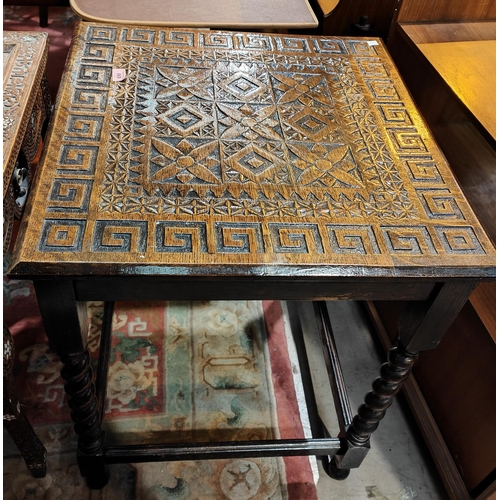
[469, 70]
[24, 60]
[464, 55]
[225, 153]
[434, 32]
[240, 14]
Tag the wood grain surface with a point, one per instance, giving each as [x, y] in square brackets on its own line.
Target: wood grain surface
[450, 32]
[468, 67]
[443, 10]
[223, 151]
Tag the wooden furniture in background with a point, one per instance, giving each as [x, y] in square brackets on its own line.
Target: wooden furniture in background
[43, 7]
[242, 165]
[26, 107]
[468, 69]
[441, 11]
[255, 14]
[379, 16]
[14, 420]
[327, 6]
[382, 16]
[435, 46]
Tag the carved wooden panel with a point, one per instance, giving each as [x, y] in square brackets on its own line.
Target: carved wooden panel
[24, 60]
[231, 148]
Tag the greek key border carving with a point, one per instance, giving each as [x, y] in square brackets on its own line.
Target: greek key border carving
[339, 206]
[180, 236]
[218, 237]
[62, 235]
[120, 236]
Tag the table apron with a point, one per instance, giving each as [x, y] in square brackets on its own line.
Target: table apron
[186, 288]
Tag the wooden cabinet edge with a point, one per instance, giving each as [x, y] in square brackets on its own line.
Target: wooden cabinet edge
[433, 438]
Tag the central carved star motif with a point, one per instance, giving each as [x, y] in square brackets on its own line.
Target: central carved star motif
[248, 122]
[326, 168]
[186, 161]
[305, 89]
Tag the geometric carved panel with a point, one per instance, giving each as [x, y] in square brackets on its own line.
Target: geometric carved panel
[228, 149]
[24, 61]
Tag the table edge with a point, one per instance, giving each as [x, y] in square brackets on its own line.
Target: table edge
[24, 270]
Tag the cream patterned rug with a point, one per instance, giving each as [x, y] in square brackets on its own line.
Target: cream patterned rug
[178, 372]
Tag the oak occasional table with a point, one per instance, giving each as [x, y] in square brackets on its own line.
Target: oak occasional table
[26, 108]
[251, 166]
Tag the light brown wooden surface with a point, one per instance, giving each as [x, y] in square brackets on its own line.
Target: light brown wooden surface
[24, 60]
[468, 67]
[327, 6]
[270, 153]
[472, 158]
[432, 32]
[444, 10]
[474, 164]
[483, 299]
[240, 14]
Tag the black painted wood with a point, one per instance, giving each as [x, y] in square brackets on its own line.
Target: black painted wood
[423, 324]
[103, 361]
[384, 389]
[16, 423]
[222, 450]
[292, 287]
[318, 429]
[65, 319]
[332, 360]
[85, 414]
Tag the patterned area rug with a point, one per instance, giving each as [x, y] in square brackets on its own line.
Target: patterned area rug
[201, 371]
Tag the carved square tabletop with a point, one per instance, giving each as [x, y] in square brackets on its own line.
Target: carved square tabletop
[226, 150]
[24, 60]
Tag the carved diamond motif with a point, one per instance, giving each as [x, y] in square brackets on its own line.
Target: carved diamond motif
[184, 119]
[311, 124]
[255, 163]
[243, 86]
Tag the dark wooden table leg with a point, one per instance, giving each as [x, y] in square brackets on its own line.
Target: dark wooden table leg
[421, 327]
[15, 422]
[66, 324]
[47, 104]
[43, 12]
